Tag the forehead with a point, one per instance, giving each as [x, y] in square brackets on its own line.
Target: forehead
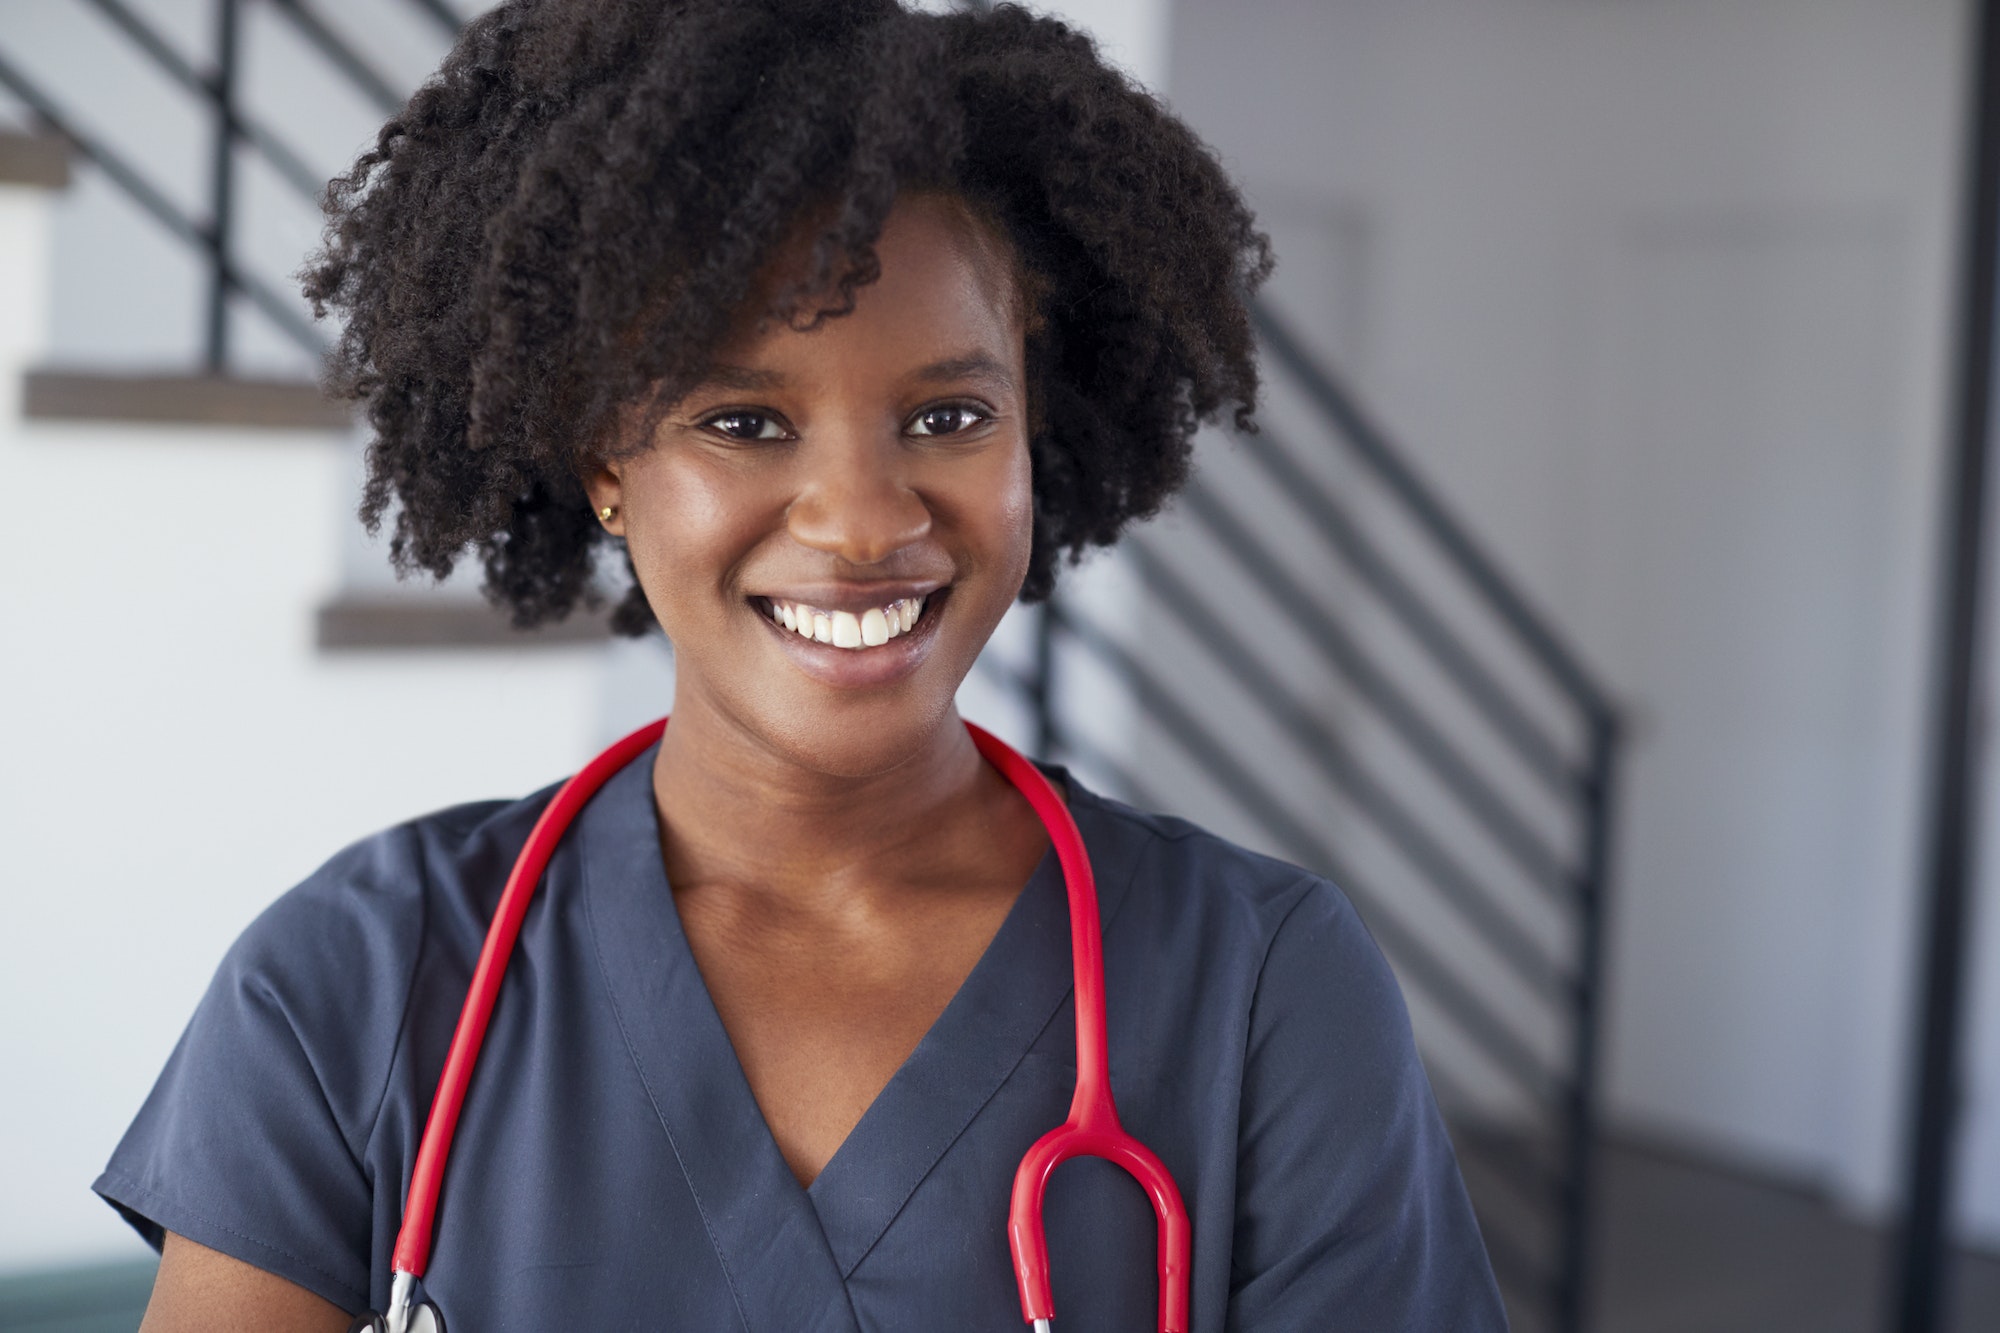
[947, 287]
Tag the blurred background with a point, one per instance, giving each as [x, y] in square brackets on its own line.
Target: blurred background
[1581, 609]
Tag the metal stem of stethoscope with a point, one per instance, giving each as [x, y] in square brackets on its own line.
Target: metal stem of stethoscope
[1091, 1130]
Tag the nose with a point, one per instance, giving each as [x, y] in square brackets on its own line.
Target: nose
[856, 501]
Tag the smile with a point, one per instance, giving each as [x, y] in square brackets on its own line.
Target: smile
[846, 629]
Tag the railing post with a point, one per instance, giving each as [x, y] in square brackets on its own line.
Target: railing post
[1041, 690]
[228, 23]
[1919, 1301]
[1580, 1146]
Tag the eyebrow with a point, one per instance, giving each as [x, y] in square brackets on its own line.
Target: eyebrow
[741, 378]
[977, 366]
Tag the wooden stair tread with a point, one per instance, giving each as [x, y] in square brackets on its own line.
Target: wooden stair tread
[58, 394]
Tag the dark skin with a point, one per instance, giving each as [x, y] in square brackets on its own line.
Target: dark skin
[840, 855]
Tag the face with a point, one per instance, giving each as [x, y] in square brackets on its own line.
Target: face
[830, 528]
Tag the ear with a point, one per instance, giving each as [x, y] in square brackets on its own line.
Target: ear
[606, 489]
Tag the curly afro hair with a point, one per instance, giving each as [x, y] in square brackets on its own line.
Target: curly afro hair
[567, 219]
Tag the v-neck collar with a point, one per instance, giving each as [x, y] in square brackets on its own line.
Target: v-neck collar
[787, 1250]
[766, 1235]
[1005, 1001]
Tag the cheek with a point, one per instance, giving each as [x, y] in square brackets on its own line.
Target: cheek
[1019, 509]
[687, 527]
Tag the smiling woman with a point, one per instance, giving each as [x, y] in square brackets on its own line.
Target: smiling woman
[841, 323]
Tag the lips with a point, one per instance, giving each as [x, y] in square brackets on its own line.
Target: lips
[855, 635]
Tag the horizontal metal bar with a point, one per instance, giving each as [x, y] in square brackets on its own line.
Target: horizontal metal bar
[341, 52]
[164, 210]
[1332, 757]
[1374, 447]
[148, 39]
[1507, 1049]
[1507, 717]
[286, 162]
[1131, 787]
[1534, 855]
[297, 172]
[276, 309]
[446, 17]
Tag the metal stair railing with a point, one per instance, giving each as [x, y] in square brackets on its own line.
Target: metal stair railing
[1539, 1170]
[214, 235]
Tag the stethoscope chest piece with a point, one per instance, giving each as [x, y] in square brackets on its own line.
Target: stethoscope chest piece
[423, 1319]
[407, 1314]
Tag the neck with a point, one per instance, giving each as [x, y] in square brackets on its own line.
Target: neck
[735, 810]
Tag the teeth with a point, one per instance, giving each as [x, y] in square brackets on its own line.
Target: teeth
[844, 629]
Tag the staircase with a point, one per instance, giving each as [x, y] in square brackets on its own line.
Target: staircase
[1332, 670]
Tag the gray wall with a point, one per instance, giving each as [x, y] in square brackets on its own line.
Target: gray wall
[1657, 294]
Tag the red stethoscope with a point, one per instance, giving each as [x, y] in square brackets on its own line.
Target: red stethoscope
[1092, 1129]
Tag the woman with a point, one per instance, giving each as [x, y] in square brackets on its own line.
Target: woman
[843, 323]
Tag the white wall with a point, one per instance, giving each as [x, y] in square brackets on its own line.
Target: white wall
[177, 754]
[1656, 294]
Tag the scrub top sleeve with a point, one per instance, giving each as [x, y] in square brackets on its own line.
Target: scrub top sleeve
[254, 1139]
[1351, 1213]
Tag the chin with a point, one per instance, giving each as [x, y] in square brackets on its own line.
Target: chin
[864, 737]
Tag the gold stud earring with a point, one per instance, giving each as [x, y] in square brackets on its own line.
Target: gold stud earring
[606, 514]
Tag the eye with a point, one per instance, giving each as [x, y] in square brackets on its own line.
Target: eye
[744, 424]
[947, 419]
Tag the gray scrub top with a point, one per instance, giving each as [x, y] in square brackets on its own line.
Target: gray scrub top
[612, 1171]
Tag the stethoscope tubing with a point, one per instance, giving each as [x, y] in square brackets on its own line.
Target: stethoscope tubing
[1092, 1128]
[413, 1241]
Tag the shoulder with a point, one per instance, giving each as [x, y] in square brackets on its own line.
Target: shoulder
[384, 888]
[333, 959]
[313, 997]
[1205, 927]
[1159, 864]
[1317, 1016]
[1345, 1197]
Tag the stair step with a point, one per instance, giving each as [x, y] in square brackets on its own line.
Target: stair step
[388, 621]
[181, 399]
[33, 159]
